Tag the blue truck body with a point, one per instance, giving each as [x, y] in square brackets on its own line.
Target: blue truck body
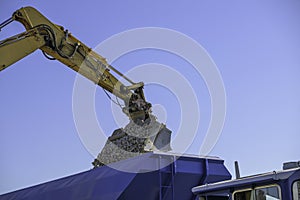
[148, 176]
[168, 176]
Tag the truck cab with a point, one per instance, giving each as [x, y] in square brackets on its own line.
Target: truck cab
[284, 184]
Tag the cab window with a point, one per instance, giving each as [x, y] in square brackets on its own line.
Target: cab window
[296, 190]
[260, 193]
[244, 195]
[267, 193]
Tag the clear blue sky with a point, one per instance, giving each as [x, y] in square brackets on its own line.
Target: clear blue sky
[255, 44]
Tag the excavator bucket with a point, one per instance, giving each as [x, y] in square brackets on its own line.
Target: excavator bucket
[134, 140]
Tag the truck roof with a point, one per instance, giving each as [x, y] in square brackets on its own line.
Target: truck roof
[257, 179]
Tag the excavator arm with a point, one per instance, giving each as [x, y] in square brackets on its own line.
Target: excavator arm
[57, 43]
[142, 134]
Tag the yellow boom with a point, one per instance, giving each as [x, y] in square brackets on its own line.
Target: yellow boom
[57, 43]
